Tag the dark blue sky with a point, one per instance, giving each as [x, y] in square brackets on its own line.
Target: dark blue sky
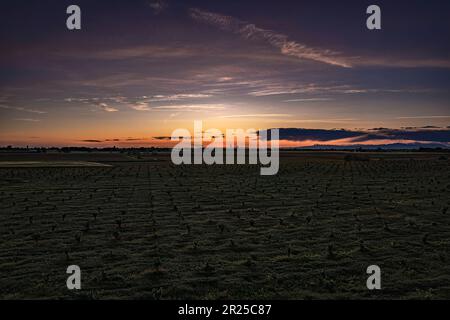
[143, 68]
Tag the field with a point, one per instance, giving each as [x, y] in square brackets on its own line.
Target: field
[146, 229]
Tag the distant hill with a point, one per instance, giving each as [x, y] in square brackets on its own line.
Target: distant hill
[392, 146]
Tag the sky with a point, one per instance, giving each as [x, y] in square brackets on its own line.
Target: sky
[137, 70]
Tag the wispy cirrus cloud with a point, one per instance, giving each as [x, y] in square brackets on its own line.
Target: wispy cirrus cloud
[105, 107]
[158, 6]
[309, 100]
[22, 109]
[277, 40]
[180, 96]
[273, 88]
[258, 115]
[27, 119]
[192, 107]
[402, 62]
[300, 50]
[97, 102]
[144, 51]
[143, 103]
[140, 106]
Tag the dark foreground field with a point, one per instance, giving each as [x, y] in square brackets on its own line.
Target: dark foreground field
[145, 229]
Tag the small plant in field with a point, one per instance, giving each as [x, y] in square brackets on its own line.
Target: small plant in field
[157, 293]
[412, 222]
[87, 227]
[67, 254]
[158, 264]
[362, 246]
[330, 252]
[104, 276]
[248, 263]
[208, 268]
[308, 218]
[116, 235]
[36, 237]
[425, 238]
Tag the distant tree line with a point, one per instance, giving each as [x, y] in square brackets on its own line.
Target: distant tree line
[157, 149]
